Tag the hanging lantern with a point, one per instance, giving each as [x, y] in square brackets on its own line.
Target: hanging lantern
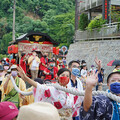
[9, 49]
[14, 49]
[56, 50]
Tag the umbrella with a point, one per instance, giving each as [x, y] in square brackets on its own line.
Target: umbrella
[114, 63]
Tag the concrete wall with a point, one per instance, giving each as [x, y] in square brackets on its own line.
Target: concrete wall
[106, 50]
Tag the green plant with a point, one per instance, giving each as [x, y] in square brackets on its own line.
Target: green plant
[83, 22]
[115, 14]
[3, 56]
[96, 23]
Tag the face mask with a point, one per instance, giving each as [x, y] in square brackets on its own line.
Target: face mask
[1, 73]
[115, 87]
[64, 81]
[75, 71]
[51, 65]
[14, 73]
[6, 67]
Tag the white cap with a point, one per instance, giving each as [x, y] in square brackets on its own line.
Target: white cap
[13, 67]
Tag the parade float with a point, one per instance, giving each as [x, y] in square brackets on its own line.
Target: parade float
[33, 40]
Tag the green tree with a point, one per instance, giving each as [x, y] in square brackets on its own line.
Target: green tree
[4, 42]
[83, 22]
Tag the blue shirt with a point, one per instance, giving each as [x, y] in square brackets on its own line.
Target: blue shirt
[101, 109]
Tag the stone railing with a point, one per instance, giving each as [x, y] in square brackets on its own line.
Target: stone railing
[110, 30]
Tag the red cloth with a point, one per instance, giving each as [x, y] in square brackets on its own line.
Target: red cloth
[49, 77]
[23, 64]
[41, 67]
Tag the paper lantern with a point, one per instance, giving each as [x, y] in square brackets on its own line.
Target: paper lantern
[9, 49]
[14, 49]
[56, 50]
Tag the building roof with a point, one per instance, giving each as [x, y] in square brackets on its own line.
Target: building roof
[85, 5]
[35, 37]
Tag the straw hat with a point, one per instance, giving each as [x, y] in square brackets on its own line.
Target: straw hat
[38, 111]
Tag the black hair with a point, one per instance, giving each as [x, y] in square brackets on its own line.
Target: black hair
[39, 80]
[22, 54]
[51, 60]
[71, 62]
[60, 71]
[117, 72]
[83, 61]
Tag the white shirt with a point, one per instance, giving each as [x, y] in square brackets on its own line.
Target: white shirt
[83, 73]
[35, 64]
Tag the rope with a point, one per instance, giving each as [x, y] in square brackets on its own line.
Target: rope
[18, 90]
[82, 93]
[68, 90]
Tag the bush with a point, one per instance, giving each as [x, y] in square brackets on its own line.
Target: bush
[3, 56]
[96, 23]
[83, 23]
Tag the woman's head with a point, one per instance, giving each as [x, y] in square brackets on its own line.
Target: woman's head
[63, 76]
[6, 66]
[14, 71]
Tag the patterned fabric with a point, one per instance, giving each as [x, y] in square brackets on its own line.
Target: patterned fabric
[65, 114]
[78, 87]
[61, 100]
[116, 111]
[101, 109]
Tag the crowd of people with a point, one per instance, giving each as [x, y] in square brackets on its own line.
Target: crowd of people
[49, 103]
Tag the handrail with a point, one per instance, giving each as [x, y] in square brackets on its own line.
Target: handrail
[98, 38]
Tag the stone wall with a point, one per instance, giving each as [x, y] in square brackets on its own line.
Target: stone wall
[106, 50]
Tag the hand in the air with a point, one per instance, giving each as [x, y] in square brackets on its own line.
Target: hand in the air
[92, 79]
[21, 72]
[97, 61]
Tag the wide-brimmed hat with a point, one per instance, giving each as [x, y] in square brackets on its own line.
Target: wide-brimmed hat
[8, 111]
[38, 111]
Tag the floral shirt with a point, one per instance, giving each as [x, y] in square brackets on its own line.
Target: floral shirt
[101, 109]
[60, 99]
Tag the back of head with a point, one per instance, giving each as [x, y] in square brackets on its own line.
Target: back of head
[38, 111]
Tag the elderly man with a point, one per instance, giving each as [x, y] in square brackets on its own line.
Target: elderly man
[101, 107]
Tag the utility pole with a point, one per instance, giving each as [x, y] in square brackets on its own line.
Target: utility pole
[76, 15]
[14, 20]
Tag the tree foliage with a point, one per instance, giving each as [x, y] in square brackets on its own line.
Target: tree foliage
[97, 22]
[54, 17]
[83, 22]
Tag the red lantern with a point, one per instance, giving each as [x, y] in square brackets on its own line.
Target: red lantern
[56, 50]
[14, 49]
[9, 49]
